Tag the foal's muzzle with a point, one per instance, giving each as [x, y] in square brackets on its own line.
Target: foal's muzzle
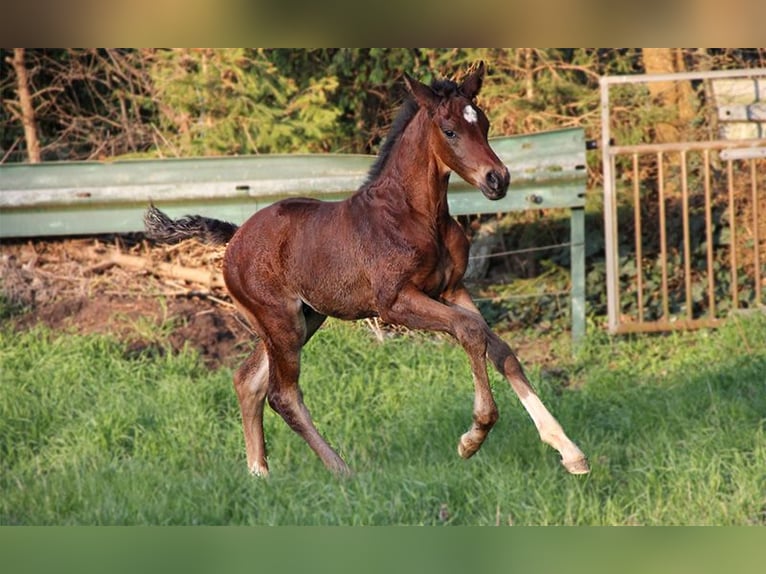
[496, 183]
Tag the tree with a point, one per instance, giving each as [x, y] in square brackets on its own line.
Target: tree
[94, 103]
[86, 103]
[23, 109]
[676, 98]
[236, 101]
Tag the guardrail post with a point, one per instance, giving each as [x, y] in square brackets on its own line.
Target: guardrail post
[577, 271]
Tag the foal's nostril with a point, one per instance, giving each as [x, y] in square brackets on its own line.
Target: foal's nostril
[497, 181]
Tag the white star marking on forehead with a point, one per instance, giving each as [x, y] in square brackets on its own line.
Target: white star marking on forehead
[469, 113]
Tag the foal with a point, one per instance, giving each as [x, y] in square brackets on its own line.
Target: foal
[390, 250]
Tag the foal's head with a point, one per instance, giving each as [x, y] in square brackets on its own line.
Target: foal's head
[459, 131]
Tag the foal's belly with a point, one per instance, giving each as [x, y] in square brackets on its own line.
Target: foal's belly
[351, 296]
[333, 283]
[339, 297]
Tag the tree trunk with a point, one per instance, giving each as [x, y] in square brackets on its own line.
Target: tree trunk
[675, 96]
[529, 73]
[27, 108]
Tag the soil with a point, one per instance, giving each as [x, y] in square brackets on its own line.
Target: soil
[143, 295]
[73, 285]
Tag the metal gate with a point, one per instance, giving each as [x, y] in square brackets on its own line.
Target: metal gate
[685, 222]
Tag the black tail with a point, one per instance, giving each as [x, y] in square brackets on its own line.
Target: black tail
[160, 228]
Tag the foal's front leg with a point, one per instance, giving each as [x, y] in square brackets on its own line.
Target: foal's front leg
[484, 412]
[415, 310]
[508, 365]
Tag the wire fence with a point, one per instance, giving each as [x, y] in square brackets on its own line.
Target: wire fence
[526, 250]
[522, 296]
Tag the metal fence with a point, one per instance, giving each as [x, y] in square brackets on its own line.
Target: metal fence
[685, 222]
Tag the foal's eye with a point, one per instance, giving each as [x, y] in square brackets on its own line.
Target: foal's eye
[450, 134]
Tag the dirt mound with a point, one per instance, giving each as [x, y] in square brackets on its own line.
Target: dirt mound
[86, 286]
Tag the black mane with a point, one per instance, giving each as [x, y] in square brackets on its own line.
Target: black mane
[443, 88]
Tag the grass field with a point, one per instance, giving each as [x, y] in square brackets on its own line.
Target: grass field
[674, 427]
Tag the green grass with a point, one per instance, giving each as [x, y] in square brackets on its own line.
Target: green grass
[673, 425]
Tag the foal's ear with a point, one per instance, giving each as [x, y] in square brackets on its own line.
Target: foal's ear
[424, 95]
[472, 84]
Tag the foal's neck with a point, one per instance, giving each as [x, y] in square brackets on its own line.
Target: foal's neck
[414, 171]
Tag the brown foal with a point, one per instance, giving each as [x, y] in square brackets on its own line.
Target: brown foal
[390, 250]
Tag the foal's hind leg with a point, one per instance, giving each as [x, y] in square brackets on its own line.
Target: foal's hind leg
[251, 383]
[286, 337]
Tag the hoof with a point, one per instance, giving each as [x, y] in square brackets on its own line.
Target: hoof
[578, 466]
[336, 465]
[466, 448]
[342, 471]
[259, 471]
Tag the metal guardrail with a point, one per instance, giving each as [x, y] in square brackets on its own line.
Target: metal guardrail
[84, 198]
[80, 198]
